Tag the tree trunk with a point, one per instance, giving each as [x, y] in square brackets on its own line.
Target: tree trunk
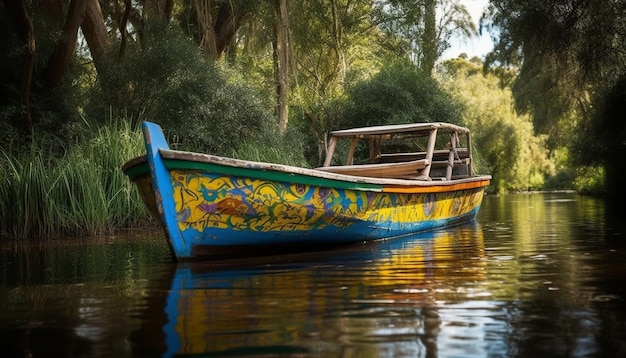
[281, 62]
[64, 50]
[26, 33]
[52, 9]
[429, 37]
[206, 32]
[123, 32]
[216, 31]
[95, 32]
[337, 33]
[160, 9]
[226, 25]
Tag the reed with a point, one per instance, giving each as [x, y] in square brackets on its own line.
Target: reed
[83, 192]
[22, 193]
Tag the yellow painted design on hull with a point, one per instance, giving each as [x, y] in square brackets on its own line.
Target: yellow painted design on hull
[205, 200]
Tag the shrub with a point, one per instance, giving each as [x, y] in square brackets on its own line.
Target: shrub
[200, 105]
[399, 93]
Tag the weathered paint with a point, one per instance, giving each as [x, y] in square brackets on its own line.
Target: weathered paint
[202, 205]
[211, 201]
[162, 189]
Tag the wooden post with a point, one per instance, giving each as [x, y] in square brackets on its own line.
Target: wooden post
[350, 159]
[453, 140]
[470, 166]
[374, 145]
[330, 151]
[432, 138]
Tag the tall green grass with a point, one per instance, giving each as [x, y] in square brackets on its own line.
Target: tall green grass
[278, 152]
[83, 192]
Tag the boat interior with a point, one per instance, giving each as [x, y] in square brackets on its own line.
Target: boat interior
[419, 151]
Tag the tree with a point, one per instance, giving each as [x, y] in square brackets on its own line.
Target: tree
[48, 74]
[158, 9]
[418, 29]
[214, 23]
[399, 93]
[327, 41]
[95, 31]
[429, 37]
[570, 55]
[333, 47]
[505, 141]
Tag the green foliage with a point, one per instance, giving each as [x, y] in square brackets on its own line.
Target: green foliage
[604, 140]
[333, 47]
[51, 111]
[512, 154]
[332, 44]
[571, 68]
[280, 151]
[345, 72]
[590, 180]
[22, 189]
[399, 93]
[199, 104]
[104, 149]
[270, 147]
[564, 175]
[82, 192]
[405, 26]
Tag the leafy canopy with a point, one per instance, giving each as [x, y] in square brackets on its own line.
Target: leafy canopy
[399, 93]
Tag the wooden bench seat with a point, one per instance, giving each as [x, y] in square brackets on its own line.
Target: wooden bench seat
[402, 170]
[437, 155]
[444, 163]
[460, 168]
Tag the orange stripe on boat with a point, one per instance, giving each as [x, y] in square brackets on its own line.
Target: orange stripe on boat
[435, 189]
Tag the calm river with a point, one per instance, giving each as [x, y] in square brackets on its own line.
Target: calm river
[537, 275]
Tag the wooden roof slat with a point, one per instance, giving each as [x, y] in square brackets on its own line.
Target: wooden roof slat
[398, 129]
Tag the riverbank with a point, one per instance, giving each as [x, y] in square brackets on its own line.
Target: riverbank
[80, 192]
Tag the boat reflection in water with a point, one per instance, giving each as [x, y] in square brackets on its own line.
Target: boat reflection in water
[378, 298]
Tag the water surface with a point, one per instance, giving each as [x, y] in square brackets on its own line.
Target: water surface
[534, 275]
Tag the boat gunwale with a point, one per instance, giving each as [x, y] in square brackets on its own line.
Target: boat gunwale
[177, 155]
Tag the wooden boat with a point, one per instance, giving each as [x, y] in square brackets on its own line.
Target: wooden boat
[396, 180]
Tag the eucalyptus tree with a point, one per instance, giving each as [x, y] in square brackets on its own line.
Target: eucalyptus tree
[570, 55]
[214, 23]
[221, 26]
[334, 42]
[331, 38]
[424, 29]
[47, 34]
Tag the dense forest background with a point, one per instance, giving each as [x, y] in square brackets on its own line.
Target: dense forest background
[268, 79]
